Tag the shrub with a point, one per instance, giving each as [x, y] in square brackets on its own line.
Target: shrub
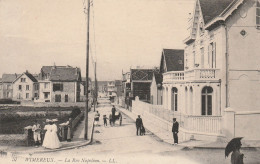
[75, 112]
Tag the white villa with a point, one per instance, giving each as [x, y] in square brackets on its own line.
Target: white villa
[217, 94]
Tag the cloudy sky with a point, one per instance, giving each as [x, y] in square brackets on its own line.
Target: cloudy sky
[128, 33]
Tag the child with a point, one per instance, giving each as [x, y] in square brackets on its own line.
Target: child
[36, 133]
[105, 120]
[142, 130]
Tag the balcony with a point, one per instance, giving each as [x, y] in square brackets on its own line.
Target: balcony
[202, 74]
[173, 76]
[192, 75]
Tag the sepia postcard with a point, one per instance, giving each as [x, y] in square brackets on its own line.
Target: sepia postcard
[129, 81]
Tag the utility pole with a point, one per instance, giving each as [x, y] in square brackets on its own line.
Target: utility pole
[95, 92]
[96, 86]
[87, 76]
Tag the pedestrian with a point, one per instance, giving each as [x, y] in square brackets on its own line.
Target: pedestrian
[97, 115]
[110, 119]
[36, 133]
[105, 120]
[139, 124]
[234, 146]
[51, 139]
[175, 131]
[69, 132]
[113, 115]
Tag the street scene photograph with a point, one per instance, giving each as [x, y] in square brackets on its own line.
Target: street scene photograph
[130, 81]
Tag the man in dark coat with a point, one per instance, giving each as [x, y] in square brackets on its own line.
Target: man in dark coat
[139, 124]
[175, 131]
[113, 115]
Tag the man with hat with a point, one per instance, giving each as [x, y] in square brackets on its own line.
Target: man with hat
[139, 124]
[175, 131]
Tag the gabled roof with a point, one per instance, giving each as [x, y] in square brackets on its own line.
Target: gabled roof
[9, 78]
[30, 76]
[173, 59]
[158, 78]
[213, 8]
[65, 74]
[143, 74]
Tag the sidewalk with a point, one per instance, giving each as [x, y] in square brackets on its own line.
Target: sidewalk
[77, 141]
[166, 136]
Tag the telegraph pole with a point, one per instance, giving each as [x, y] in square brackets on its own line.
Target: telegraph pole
[87, 75]
[96, 89]
[95, 93]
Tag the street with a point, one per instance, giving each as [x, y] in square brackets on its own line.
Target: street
[120, 144]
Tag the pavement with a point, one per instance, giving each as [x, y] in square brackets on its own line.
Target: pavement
[166, 136]
[77, 141]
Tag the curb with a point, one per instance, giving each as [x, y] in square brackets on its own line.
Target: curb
[60, 149]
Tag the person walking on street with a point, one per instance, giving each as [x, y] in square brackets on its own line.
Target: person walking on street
[97, 115]
[105, 120]
[113, 115]
[69, 132]
[175, 131]
[36, 133]
[139, 124]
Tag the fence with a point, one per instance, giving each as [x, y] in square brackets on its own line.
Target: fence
[193, 124]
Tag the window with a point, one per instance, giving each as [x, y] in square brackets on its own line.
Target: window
[19, 96]
[212, 55]
[9, 86]
[46, 85]
[258, 14]
[46, 95]
[27, 87]
[66, 98]
[27, 95]
[206, 101]
[36, 87]
[35, 94]
[23, 80]
[57, 98]
[202, 57]
[58, 87]
[8, 95]
[20, 87]
[174, 99]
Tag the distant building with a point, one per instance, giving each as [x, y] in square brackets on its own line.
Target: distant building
[102, 86]
[119, 88]
[111, 88]
[6, 91]
[141, 80]
[25, 87]
[156, 89]
[59, 84]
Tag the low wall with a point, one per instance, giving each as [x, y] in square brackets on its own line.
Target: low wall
[242, 124]
[13, 139]
[53, 104]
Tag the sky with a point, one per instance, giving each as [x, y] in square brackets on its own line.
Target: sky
[123, 34]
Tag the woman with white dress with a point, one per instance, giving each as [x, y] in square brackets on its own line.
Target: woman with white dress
[51, 139]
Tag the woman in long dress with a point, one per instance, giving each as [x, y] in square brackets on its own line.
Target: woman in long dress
[51, 139]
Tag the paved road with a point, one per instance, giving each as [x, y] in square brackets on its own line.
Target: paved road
[121, 145]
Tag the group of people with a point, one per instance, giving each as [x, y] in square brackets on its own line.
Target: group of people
[50, 138]
[140, 130]
[112, 117]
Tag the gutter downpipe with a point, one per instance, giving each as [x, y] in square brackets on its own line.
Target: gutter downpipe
[227, 75]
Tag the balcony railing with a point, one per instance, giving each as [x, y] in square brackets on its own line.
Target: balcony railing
[191, 75]
[173, 76]
[202, 74]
